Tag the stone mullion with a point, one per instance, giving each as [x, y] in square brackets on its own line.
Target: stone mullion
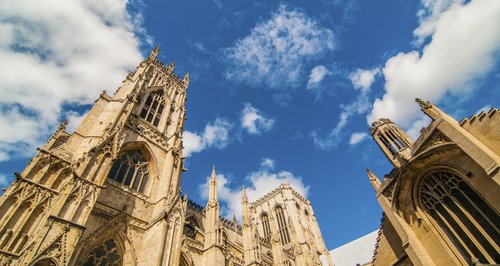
[454, 232]
[19, 225]
[480, 211]
[54, 178]
[478, 227]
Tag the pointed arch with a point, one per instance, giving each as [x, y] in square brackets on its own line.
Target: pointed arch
[460, 214]
[107, 252]
[134, 166]
[153, 107]
[46, 261]
[282, 224]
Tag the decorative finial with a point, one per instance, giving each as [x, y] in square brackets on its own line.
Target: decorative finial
[373, 179]
[213, 171]
[154, 52]
[186, 79]
[423, 104]
[171, 66]
[244, 197]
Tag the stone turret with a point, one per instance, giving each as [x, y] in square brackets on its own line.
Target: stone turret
[392, 140]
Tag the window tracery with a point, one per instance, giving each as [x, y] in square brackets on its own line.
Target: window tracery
[469, 222]
[265, 225]
[131, 169]
[283, 229]
[107, 253]
[153, 108]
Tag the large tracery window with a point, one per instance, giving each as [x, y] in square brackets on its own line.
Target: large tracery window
[107, 253]
[153, 108]
[131, 169]
[280, 215]
[469, 222]
[265, 225]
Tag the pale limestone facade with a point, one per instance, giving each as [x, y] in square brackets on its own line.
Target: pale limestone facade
[441, 201]
[110, 193]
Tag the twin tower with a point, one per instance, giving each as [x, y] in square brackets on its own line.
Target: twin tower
[109, 194]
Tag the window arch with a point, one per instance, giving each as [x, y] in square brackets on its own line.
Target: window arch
[283, 229]
[153, 107]
[265, 226]
[469, 222]
[106, 253]
[131, 169]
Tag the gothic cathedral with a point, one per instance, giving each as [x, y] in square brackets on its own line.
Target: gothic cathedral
[441, 200]
[109, 194]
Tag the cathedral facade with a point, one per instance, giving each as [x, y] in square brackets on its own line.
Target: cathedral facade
[441, 200]
[110, 194]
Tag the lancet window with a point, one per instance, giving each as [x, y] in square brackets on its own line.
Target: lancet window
[153, 108]
[107, 253]
[265, 225]
[283, 229]
[131, 169]
[465, 218]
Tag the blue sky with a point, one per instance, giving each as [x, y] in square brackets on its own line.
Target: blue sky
[280, 91]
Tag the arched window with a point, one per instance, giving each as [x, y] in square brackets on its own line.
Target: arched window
[283, 229]
[107, 253]
[131, 169]
[469, 222]
[153, 108]
[265, 226]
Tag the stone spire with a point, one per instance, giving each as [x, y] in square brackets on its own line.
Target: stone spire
[250, 249]
[154, 52]
[213, 254]
[373, 179]
[212, 193]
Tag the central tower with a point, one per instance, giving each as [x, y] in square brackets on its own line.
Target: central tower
[110, 188]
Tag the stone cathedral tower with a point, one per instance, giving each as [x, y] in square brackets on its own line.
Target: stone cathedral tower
[109, 194]
[112, 187]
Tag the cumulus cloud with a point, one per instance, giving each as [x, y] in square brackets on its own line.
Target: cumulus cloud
[276, 49]
[259, 182]
[215, 135]
[362, 79]
[253, 121]
[318, 73]
[463, 47]
[357, 137]
[55, 54]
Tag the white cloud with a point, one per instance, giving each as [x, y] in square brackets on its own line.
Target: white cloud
[57, 53]
[359, 106]
[260, 182]
[318, 73]
[464, 47]
[4, 182]
[74, 119]
[357, 137]
[253, 121]
[214, 135]
[362, 79]
[275, 51]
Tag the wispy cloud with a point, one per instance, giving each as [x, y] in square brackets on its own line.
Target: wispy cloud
[357, 137]
[463, 44]
[254, 122]
[318, 73]
[361, 81]
[55, 55]
[215, 135]
[276, 49]
[258, 184]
